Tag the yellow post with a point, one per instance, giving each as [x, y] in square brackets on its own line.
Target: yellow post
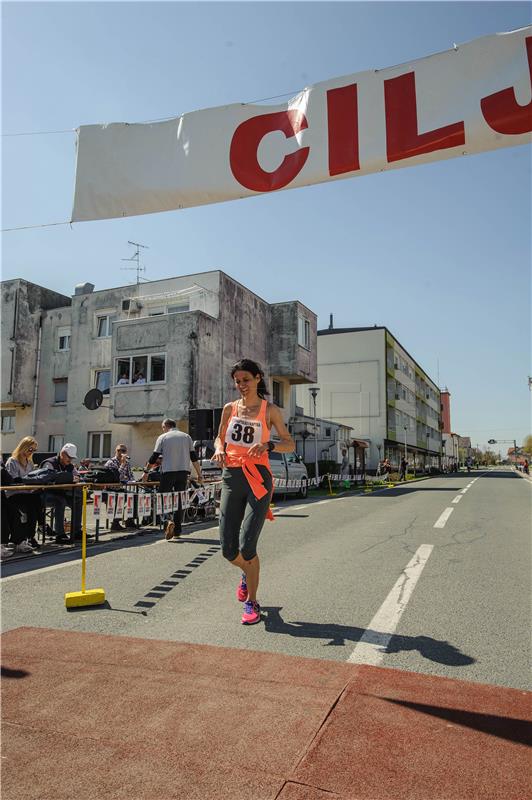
[330, 487]
[84, 540]
[87, 597]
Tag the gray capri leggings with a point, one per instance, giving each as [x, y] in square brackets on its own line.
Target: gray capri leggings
[241, 514]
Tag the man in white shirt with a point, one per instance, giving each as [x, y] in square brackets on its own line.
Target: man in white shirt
[177, 453]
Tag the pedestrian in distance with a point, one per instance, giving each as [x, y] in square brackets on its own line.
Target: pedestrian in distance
[526, 467]
[402, 469]
[344, 470]
[242, 449]
[177, 453]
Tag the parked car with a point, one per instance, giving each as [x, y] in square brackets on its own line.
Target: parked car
[289, 466]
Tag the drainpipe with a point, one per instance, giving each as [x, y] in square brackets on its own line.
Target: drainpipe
[36, 389]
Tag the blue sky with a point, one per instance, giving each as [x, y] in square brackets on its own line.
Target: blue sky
[439, 253]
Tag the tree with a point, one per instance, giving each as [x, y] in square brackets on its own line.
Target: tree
[527, 445]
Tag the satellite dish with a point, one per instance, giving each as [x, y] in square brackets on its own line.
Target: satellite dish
[93, 399]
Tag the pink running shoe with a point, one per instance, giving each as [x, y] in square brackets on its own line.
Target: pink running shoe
[251, 613]
[242, 589]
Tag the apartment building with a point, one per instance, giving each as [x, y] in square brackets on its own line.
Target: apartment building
[370, 383]
[154, 350]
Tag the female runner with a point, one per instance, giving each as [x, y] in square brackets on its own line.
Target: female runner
[242, 448]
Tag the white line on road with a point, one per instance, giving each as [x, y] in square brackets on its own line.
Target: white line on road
[457, 498]
[464, 490]
[372, 646]
[442, 519]
[320, 502]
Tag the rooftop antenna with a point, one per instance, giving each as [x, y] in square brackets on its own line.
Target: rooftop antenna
[136, 257]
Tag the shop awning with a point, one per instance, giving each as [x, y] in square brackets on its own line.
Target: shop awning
[359, 443]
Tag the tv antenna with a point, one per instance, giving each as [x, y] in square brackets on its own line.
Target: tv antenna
[136, 257]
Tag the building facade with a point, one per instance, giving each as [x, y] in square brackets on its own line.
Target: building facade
[370, 383]
[154, 350]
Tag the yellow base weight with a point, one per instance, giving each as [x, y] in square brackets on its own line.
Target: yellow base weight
[91, 597]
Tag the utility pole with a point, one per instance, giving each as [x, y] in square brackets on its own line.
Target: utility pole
[314, 392]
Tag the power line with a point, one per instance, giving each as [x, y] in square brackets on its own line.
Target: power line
[148, 121]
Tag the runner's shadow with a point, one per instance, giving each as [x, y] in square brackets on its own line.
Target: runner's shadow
[340, 635]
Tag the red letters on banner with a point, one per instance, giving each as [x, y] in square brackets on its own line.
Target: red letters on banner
[245, 143]
[501, 111]
[342, 121]
[402, 137]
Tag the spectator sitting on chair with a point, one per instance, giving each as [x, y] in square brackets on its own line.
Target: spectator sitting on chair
[24, 506]
[58, 499]
[120, 463]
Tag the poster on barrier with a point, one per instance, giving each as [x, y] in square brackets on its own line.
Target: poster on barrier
[111, 498]
[167, 502]
[147, 505]
[97, 503]
[130, 506]
[159, 502]
[119, 512]
[175, 501]
[184, 499]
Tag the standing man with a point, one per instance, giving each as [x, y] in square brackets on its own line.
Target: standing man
[402, 469]
[177, 452]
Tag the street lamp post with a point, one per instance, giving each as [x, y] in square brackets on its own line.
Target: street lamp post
[314, 392]
[406, 451]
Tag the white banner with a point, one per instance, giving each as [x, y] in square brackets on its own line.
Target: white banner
[470, 99]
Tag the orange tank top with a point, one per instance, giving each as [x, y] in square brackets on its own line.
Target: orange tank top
[241, 434]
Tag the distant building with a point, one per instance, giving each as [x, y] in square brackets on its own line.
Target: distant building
[155, 350]
[370, 383]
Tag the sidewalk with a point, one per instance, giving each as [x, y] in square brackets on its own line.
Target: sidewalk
[90, 716]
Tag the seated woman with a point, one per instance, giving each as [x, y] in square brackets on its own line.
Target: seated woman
[24, 506]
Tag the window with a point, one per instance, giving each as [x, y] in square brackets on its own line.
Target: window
[103, 326]
[157, 368]
[100, 444]
[179, 308]
[55, 442]
[8, 421]
[278, 393]
[303, 332]
[103, 380]
[63, 338]
[327, 432]
[140, 369]
[60, 390]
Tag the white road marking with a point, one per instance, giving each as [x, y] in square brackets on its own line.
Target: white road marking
[320, 502]
[464, 490]
[457, 498]
[372, 646]
[442, 519]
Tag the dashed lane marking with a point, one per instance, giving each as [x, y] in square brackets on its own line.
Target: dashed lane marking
[442, 519]
[372, 646]
[457, 498]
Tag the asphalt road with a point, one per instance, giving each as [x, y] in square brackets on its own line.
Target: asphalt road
[367, 579]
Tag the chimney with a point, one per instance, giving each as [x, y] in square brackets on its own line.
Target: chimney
[83, 288]
[331, 326]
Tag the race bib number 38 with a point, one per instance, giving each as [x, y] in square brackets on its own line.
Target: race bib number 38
[244, 432]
